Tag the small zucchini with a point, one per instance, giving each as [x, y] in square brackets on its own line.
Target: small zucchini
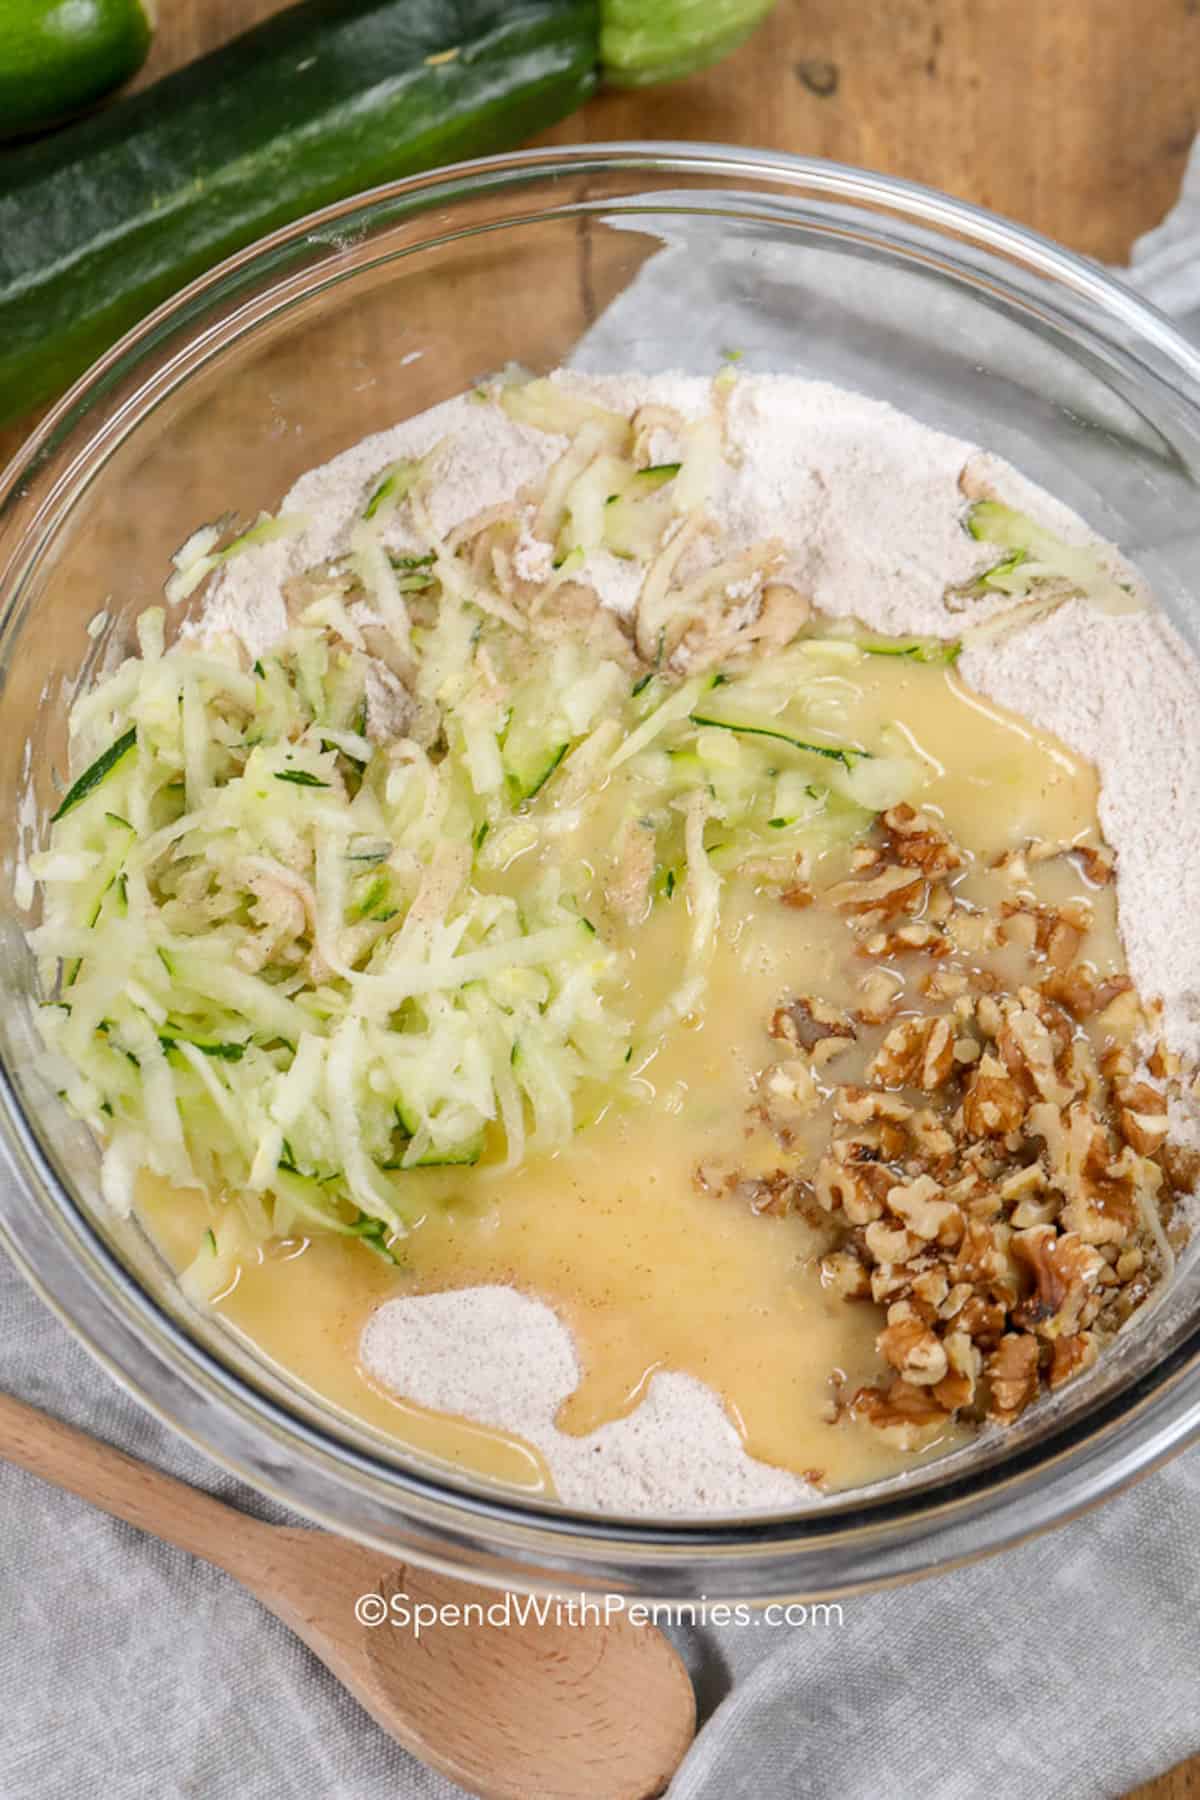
[58, 56]
[642, 44]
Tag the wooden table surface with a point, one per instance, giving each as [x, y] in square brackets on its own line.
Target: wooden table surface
[1072, 116]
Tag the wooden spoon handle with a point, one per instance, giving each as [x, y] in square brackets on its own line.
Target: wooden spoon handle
[127, 1489]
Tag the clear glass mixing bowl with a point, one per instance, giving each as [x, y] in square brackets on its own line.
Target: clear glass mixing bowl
[627, 256]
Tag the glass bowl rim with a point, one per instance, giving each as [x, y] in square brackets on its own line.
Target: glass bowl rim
[1053, 1477]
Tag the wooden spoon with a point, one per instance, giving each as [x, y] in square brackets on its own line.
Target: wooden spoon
[511, 1711]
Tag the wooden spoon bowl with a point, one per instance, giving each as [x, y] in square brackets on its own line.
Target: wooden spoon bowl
[513, 1697]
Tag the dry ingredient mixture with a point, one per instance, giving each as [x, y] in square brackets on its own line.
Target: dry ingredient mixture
[707, 659]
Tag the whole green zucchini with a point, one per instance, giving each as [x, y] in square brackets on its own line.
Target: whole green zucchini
[103, 220]
[58, 56]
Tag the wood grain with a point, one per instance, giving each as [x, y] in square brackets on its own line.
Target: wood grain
[1074, 117]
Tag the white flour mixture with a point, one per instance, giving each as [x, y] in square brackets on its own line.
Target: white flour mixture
[870, 507]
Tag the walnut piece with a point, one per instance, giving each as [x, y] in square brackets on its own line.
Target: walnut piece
[1097, 861]
[912, 1348]
[805, 1023]
[925, 1212]
[905, 1415]
[1142, 1118]
[1065, 1272]
[1070, 1357]
[915, 838]
[1081, 993]
[965, 1363]
[1012, 1371]
[915, 1053]
[896, 890]
[993, 1104]
[842, 1273]
[879, 991]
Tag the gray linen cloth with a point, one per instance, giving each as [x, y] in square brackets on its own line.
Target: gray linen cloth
[1064, 1670]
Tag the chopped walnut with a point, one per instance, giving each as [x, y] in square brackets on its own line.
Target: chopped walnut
[1028, 1050]
[1181, 1166]
[915, 838]
[844, 1189]
[973, 933]
[896, 890]
[930, 1288]
[1071, 1355]
[889, 1282]
[1163, 1064]
[1129, 1263]
[1116, 1064]
[1056, 934]
[1101, 1188]
[907, 940]
[907, 1343]
[805, 1023]
[1035, 1212]
[1065, 1271]
[790, 1092]
[955, 1300]
[988, 1016]
[1080, 992]
[1142, 1117]
[991, 1177]
[931, 1141]
[890, 1243]
[858, 1105]
[983, 1319]
[965, 1364]
[925, 1211]
[879, 993]
[915, 1053]
[1063, 944]
[905, 1414]
[843, 1273]
[1012, 1371]
[993, 1104]
[1015, 865]
[1098, 862]
[984, 1259]
[945, 984]
[776, 1194]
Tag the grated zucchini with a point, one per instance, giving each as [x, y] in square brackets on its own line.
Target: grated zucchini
[288, 962]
